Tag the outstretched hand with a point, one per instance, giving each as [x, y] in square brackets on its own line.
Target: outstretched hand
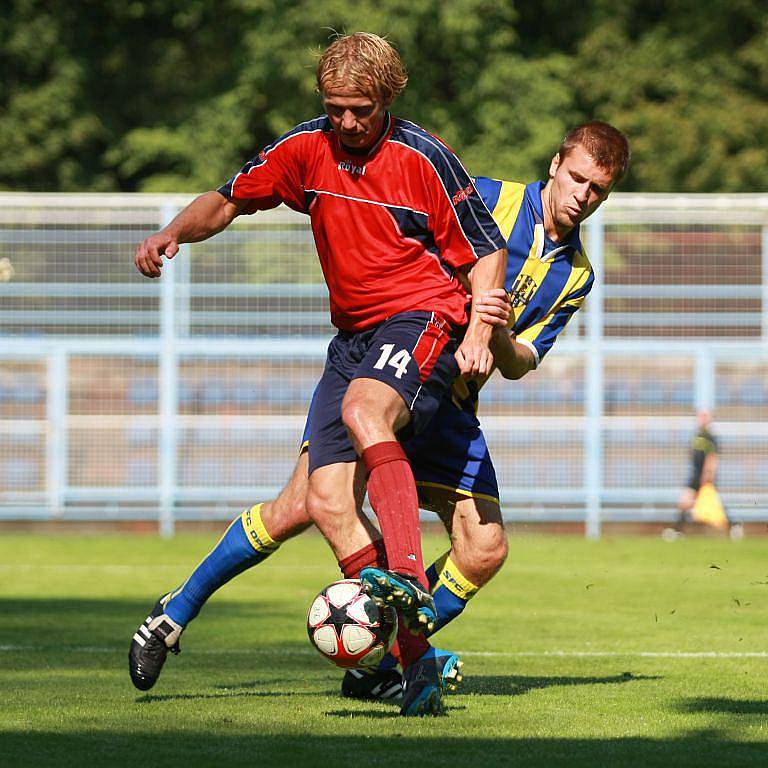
[150, 252]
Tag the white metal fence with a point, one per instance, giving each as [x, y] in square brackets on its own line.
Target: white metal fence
[122, 397]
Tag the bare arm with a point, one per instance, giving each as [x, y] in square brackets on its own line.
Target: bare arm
[474, 354]
[206, 215]
[512, 358]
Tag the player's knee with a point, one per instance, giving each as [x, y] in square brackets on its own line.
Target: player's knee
[488, 554]
[356, 415]
[366, 416]
[496, 551]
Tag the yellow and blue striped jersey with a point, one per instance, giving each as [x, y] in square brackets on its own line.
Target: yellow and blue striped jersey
[547, 281]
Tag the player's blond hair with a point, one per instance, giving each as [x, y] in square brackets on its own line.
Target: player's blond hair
[364, 61]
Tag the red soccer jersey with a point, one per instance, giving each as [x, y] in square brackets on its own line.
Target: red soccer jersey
[391, 226]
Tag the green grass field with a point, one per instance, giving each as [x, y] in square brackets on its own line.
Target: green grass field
[626, 651]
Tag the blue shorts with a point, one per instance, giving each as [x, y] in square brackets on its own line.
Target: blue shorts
[451, 454]
[412, 352]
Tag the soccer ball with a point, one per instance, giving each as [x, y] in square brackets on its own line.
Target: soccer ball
[348, 628]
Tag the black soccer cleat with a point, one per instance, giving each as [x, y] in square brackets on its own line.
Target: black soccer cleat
[150, 644]
[372, 685]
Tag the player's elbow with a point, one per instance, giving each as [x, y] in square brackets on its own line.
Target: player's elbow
[514, 370]
[512, 374]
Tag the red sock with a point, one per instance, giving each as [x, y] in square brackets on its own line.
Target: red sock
[408, 647]
[392, 493]
[373, 554]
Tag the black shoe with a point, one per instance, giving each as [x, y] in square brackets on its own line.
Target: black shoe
[373, 685]
[150, 645]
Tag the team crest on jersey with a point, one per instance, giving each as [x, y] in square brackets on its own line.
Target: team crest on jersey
[522, 291]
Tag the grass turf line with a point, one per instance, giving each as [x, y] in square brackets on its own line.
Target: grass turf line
[246, 692]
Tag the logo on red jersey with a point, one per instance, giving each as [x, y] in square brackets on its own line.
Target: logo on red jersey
[463, 194]
[355, 170]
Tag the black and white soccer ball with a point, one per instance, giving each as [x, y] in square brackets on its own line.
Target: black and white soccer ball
[348, 628]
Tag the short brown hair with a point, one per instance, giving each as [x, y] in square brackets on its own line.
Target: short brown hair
[606, 145]
[367, 62]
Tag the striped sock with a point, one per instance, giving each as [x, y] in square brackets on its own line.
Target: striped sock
[244, 544]
[450, 589]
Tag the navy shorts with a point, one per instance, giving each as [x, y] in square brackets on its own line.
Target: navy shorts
[412, 352]
[451, 454]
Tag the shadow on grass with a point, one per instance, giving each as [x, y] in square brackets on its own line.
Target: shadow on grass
[248, 684]
[58, 626]
[92, 622]
[230, 747]
[500, 685]
[151, 698]
[516, 685]
[726, 706]
[392, 711]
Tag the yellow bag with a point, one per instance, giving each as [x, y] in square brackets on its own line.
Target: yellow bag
[709, 508]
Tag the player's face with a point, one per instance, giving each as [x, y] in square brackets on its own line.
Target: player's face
[356, 119]
[577, 187]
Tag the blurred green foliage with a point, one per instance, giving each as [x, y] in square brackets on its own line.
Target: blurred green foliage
[172, 95]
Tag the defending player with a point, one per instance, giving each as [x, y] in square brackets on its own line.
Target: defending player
[548, 277]
[397, 223]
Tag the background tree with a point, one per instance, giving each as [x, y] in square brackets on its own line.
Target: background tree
[172, 95]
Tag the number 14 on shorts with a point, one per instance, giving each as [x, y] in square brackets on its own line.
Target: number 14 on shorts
[399, 361]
